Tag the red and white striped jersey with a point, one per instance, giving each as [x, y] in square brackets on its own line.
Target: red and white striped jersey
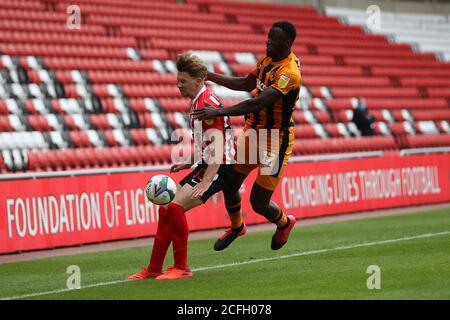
[207, 97]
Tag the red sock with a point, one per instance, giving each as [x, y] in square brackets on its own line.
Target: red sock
[162, 241]
[180, 235]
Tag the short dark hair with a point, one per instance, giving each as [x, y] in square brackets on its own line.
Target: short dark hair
[287, 27]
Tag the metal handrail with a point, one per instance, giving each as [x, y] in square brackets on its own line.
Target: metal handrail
[407, 152]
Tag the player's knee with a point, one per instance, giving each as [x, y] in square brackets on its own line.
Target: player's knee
[232, 199]
[260, 199]
[233, 208]
[258, 206]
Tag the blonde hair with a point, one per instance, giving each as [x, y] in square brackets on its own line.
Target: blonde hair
[192, 65]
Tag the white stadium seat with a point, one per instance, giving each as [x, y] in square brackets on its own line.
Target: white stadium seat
[427, 32]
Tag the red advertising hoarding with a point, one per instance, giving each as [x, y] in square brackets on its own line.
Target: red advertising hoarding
[52, 212]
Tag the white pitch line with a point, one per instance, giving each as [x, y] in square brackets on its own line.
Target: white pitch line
[37, 294]
[306, 253]
[220, 266]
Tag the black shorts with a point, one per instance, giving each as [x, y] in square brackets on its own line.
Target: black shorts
[224, 177]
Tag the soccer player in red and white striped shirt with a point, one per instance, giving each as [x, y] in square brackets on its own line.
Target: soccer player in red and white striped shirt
[213, 173]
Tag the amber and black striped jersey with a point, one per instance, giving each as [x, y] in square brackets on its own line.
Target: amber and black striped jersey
[284, 76]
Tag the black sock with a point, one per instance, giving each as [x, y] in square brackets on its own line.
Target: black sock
[280, 215]
[238, 229]
[286, 225]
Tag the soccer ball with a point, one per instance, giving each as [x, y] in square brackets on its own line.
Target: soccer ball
[160, 189]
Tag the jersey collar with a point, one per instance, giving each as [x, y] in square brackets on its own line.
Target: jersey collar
[198, 94]
[281, 61]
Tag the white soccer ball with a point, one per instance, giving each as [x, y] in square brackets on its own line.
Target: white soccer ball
[160, 189]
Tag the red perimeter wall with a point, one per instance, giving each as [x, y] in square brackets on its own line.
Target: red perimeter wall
[62, 211]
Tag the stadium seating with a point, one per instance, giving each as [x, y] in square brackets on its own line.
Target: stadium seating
[426, 32]
[105, 95]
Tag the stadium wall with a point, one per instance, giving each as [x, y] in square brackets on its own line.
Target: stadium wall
[50, 210]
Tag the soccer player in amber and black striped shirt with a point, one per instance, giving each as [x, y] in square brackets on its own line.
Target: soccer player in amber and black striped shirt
[278, 81]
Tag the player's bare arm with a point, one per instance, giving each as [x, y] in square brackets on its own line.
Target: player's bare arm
[182, 166]
[266, 98]
[247, 83]
[179, 166]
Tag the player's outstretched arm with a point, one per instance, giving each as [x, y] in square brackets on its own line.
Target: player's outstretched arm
[247, 83]
[266, 98]
[182, 166]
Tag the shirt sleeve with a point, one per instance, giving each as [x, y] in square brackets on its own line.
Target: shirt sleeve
[216, 122]
[286, 80]
[255, 70]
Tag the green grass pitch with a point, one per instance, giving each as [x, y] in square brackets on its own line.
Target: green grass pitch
[323, 261]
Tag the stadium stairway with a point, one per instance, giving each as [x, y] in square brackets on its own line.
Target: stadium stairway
[105, 94]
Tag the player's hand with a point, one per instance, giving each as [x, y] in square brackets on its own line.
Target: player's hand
[208, 112]
[200, 188]
[179, 167]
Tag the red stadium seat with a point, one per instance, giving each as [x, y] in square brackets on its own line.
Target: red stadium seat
[402, 128]
[304, 117]
[345, 116]
[336, 145]
[336, 129]
[339, 104]
[305, 131]
[444, 126]
[375, 92]
[422, 141]
[322, 116]
[80, 138]
[434, 114]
